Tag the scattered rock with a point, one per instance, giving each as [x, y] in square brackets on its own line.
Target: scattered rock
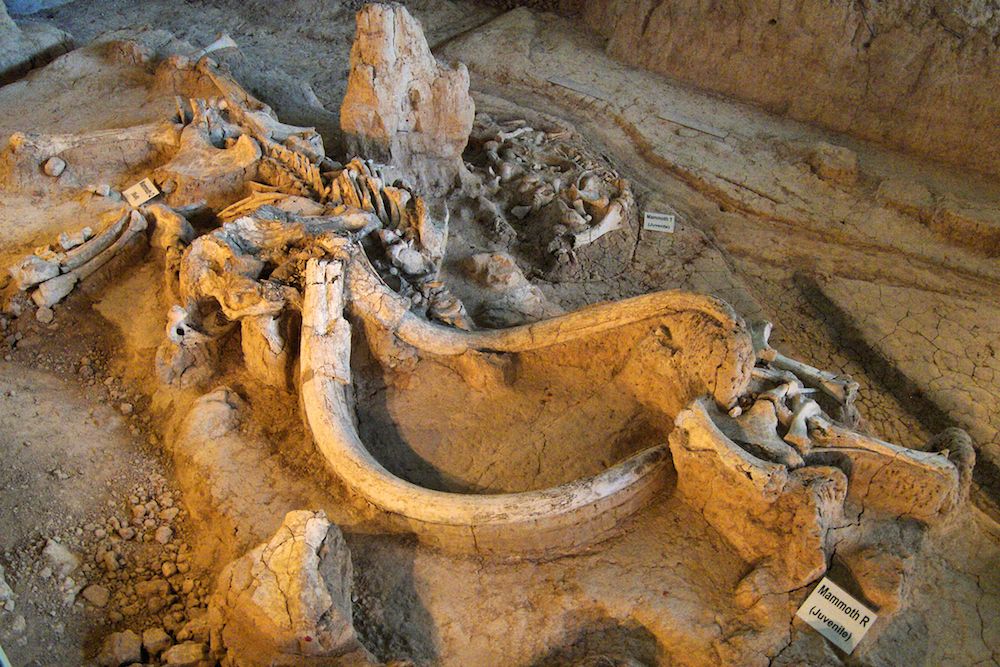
[44, 315]
[164, 534]
[155, 641]
[6, 593]
[120, 648]
[126, 408]
[62, 560]
[54, 166]
[834, 163]
[152, 588]
[96, 595]
[187, 654]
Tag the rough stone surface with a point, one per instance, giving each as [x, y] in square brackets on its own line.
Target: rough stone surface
[155, 641]
[96, 595]
[937, 349]
[915, 74]
[776, 518]
[510, 298]
[120, 648]
[26, 46]
[402, 106]
[185, 654]
[834, 163]
[287, 600]
[671, 589]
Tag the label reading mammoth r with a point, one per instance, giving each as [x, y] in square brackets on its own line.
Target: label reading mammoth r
[836, 615]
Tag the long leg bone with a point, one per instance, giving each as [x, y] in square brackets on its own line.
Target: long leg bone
[56, 289]
[84, 253]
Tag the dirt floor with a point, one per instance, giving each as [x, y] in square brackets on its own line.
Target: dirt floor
[860, 275]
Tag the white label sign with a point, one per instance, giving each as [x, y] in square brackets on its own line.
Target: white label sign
[836, 615]
[140, 193]
[658, 222]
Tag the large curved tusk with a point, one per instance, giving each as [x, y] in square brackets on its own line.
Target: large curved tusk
[530, 524]
[724, 361]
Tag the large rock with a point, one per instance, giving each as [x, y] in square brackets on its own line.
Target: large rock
[29, 45]
[120, 648]
[287, 602]
[402, 106]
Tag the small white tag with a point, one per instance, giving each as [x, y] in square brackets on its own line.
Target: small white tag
[658, 222]
[140, 193]
[836, 615]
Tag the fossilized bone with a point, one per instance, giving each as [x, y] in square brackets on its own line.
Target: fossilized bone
[295, 244]
[590, 201]
[54, 278]
[569, 515]
[841, 388]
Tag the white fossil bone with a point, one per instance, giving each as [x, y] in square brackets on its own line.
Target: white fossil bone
[84, 253]
[798, 429]
[69, 241]
[89, 260]
[223, 41]
[611, 221]
[513, 134]
[756, 428]
[266, 350]
[54, 290]
[842, 389]
[137, 225]
[569, 515]
[33, 270]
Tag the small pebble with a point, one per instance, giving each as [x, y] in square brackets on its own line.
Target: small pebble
[54, 166]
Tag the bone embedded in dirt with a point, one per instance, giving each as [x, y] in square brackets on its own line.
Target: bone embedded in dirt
[288, 599]
[402, 106]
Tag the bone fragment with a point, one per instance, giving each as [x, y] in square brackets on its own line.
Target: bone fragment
[55, 290]
[82, 254]
[33, 270]
[70, 241]
[611, 221]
